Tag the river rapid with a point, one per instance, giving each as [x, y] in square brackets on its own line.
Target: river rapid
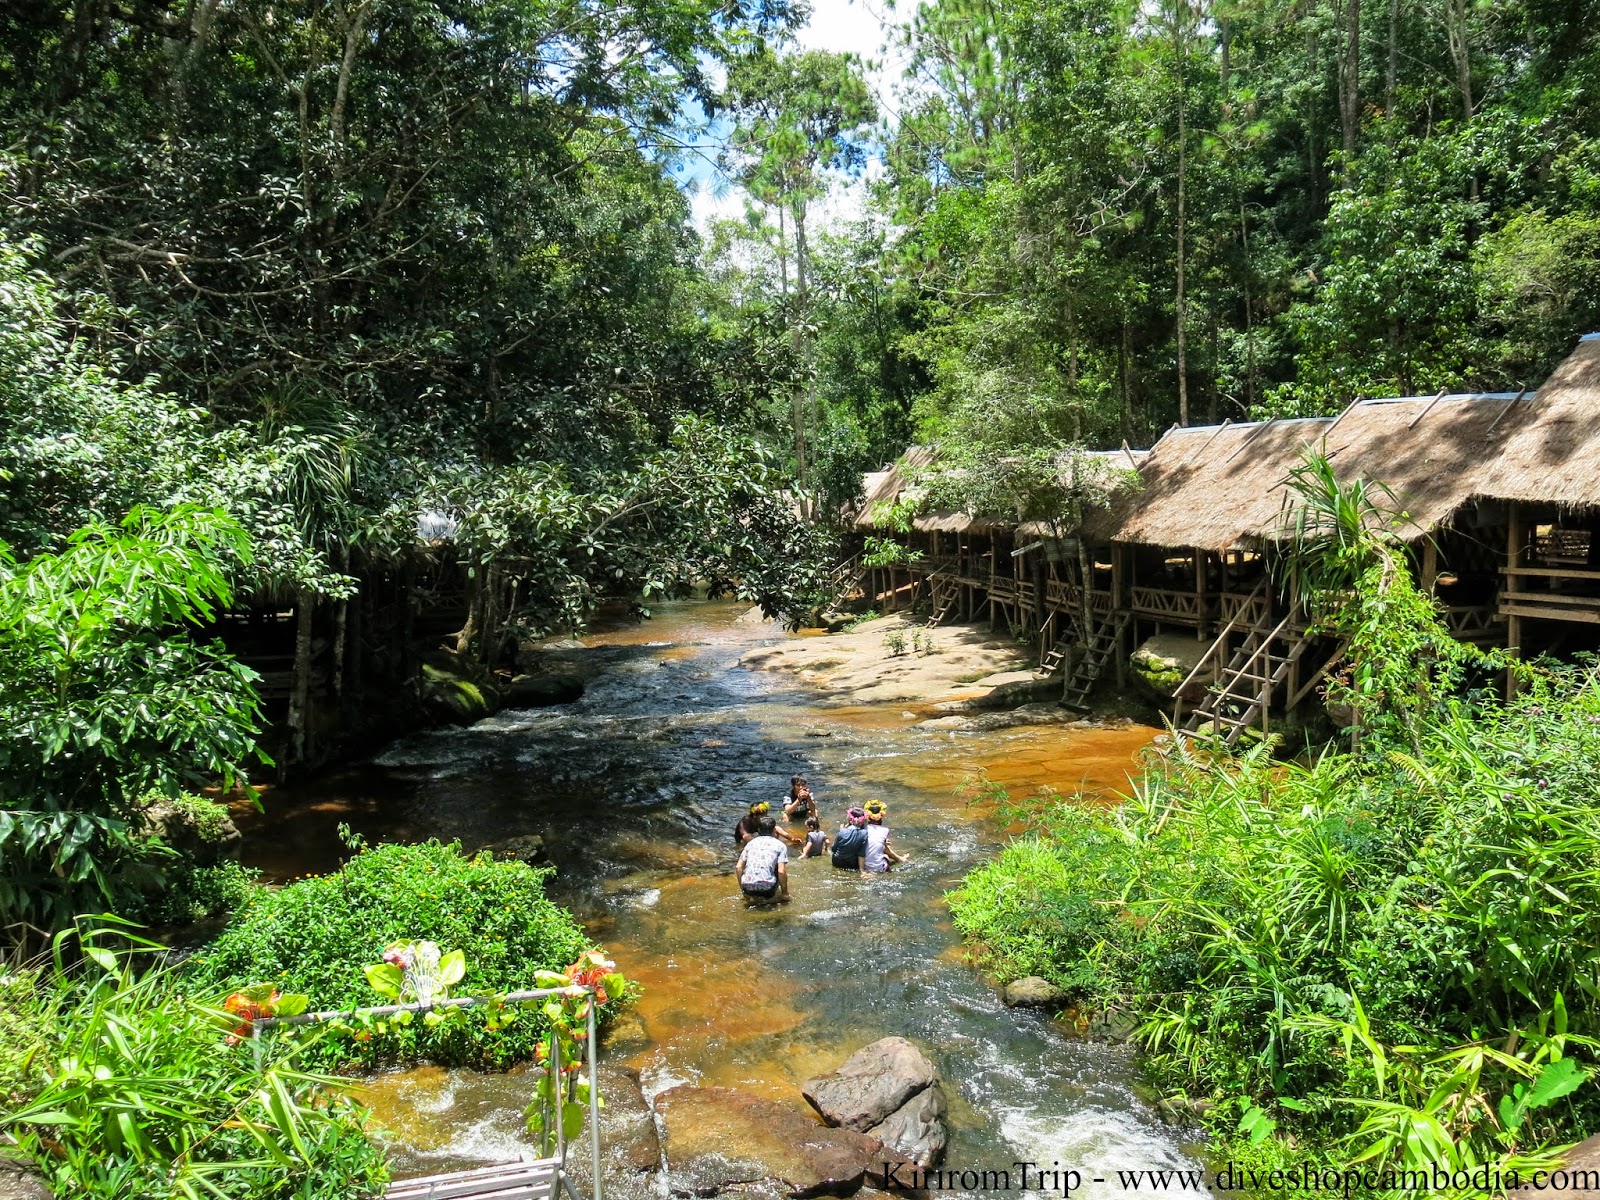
[636, 788]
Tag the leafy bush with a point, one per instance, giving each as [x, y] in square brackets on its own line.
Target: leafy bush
[1390, 949]
[1394, 950]
[121, 1084]
[103, 700]
[317, 936]
[194, 893]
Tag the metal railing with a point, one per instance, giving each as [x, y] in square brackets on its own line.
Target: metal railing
[552, 1061]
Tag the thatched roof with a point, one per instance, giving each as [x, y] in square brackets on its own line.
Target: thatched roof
[895, 481]
[1220, 486]
[1551, 452]
[1225, 485]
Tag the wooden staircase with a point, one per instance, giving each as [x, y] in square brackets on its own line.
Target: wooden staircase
[1098, 651]
[1265, 665]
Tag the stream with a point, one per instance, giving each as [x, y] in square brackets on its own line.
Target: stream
[635, 789]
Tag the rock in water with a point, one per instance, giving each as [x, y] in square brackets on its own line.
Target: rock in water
[717, 1138]
[916, 1131]
[873, 1082]
[1034, 991]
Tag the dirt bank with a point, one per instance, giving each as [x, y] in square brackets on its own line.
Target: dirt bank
[954, 662]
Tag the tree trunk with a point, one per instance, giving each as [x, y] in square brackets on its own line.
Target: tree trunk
[797, 339]
[1460, 51]
[1391, 72]
[1350, 81]
[300, 690]
[1183, 134]
[1123, 379]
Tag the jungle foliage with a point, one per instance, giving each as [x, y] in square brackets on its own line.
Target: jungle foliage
[1381, 951]
[1103, 217]
[118, 1080]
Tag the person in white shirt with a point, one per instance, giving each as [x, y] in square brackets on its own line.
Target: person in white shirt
[763, 868]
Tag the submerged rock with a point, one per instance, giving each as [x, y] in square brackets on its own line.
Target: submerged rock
[873, 1082]
[528, 848]
[719, 1139]
[542, 690]
[1034, 991]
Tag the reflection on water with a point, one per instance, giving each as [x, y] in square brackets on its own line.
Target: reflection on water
[636, 788]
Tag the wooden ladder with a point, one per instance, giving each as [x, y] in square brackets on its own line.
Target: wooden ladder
[946, 595]
[1097, 652]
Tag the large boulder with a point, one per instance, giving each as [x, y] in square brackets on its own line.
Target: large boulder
[873, 1082]
[1034, 991]
[916, 1131]
[718, 1139]
[199, 829]
[1161, 663]
[542, 690]
[1578, 1175]
[629, 1144]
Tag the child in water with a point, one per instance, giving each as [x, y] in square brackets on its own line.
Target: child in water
[816, 840]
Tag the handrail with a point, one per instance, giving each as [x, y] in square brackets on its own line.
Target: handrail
[1220, 638]
[384, 1010]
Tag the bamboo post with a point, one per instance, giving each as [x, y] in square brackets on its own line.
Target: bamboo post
[1513, 621]
[1200, 594]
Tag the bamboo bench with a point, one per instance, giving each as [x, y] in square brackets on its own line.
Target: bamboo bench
[535, 1179]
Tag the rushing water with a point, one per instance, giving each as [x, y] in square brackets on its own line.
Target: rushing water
[636, 788]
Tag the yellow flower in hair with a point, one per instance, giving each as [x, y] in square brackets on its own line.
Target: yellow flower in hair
[760, 808]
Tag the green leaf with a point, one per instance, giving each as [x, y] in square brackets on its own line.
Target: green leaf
[1555, 1080]
[386, 979]
[452, 967]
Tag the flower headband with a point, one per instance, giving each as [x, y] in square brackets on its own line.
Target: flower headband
[875, 810]
[760, 807]
[856, 816]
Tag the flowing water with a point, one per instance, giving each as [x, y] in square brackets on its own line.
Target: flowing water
[636, 788]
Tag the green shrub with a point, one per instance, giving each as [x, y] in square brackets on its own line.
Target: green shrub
[121, 1084]
[1390, 951]
[193, 893]
[317, 935]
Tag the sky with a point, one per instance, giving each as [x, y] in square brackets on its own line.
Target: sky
[856, 26]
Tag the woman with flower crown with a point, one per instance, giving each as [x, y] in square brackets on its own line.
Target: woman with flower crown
[749, 826]
[879, 854]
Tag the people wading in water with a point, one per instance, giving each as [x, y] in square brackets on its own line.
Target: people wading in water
[850, 843]
[800, 803]
[878, 854]
[816, 840]
[763, 868]
[749, 825]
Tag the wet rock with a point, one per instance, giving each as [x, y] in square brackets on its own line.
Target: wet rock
[1034, 991]
[873, 1082]
[721, 1138]
[916, 1131]
[542, 690]
[451, 697]
[1113, 1026]
[628, 1138]
[199, 829]
[528, 848]
[20, 1179]
[625, 1033]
